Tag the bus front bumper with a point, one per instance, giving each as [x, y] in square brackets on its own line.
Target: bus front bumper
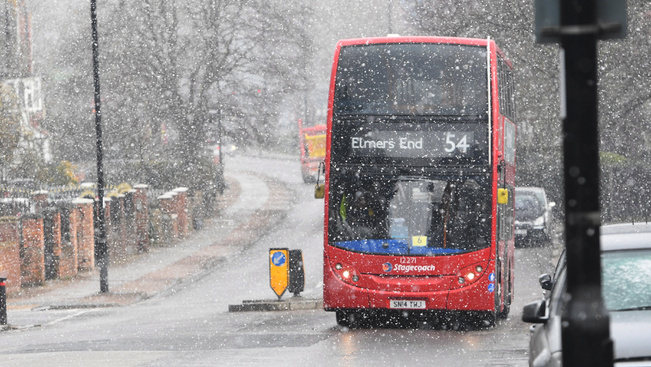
[338, 295]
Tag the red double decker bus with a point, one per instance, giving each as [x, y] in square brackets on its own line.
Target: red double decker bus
[419, 179]
[312, 146]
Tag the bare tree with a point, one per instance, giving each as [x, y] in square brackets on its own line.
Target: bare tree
[535, 68]
[180, 66]
[9, 125]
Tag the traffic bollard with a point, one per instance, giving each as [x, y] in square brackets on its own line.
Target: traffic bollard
[296, 272]
[3, 301]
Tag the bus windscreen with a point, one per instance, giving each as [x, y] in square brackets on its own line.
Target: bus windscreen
[409, 79]
[408, 216]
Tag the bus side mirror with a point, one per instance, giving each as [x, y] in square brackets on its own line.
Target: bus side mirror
[502, 196]
[319, 191]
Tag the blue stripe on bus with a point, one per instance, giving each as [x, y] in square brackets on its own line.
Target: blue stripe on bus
[393, 247]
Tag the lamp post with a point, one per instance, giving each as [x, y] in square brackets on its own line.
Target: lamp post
[578, 25]
[102, 248]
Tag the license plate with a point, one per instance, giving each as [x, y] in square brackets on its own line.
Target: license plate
[521, 232]
[406, 304]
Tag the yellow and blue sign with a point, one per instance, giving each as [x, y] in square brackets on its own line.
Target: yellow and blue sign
[279, 270]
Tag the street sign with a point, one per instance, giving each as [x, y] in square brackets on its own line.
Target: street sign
[279, 270]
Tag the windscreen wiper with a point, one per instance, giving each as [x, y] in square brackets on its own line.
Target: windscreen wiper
[641, 308]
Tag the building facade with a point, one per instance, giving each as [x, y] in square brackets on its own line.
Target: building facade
[16, 72]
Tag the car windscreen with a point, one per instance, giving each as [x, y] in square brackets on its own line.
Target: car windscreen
[527, 208]
[625, 279]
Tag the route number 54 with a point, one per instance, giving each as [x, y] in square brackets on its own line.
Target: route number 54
[452, 144]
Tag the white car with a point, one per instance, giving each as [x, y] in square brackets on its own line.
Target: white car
[533, 216]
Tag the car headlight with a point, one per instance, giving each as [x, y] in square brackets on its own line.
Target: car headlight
[539, 222]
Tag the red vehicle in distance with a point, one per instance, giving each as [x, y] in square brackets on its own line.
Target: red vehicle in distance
[312, 147]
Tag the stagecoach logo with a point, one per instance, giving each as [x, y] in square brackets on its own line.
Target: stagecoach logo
[387, 267]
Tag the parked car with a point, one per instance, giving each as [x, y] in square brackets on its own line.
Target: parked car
[533, 216]
[626, 291]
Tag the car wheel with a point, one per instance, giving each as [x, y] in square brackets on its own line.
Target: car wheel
[352, 319]
[508, 296]
[343, 318]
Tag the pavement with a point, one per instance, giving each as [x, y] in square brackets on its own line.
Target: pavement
[250, 206]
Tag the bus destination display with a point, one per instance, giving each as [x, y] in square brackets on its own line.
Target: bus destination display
[413, 144]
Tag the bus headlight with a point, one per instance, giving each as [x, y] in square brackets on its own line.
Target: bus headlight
[468, 275]
[347, 273]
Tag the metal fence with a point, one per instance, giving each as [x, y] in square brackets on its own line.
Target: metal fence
[15, 207]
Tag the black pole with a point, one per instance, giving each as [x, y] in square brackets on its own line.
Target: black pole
[585, 333]
[389, 20]
[3, 301]
[102, 248]
[219, 128]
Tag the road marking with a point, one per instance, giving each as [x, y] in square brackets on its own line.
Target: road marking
[81, 312]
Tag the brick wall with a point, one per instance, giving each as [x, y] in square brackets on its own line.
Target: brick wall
[10, 253]
[130, 219]
[68, 263]
[56, 232]
[141, 217]
[71, 235]
[39, 199]
[85, 234]
[52, 231]
[32, 269]
[181, 208]
[116, 235]
[108, 229]
[170, 222]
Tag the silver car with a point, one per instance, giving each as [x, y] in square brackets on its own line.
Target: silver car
[626, 290]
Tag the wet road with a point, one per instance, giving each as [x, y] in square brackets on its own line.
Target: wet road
[190, 325]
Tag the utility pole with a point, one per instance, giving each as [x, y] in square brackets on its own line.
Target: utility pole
[389, 16]
[577, 25]
[586, 332]
[102, 247]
